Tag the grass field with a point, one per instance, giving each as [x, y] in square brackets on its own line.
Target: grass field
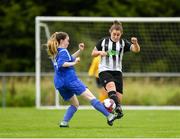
[31, 123]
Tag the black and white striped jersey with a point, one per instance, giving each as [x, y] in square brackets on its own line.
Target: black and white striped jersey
[115, 50]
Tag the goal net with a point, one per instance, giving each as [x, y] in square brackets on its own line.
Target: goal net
[158, 38]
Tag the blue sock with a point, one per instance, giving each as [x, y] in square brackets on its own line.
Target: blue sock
[69, 113]
[99, 106]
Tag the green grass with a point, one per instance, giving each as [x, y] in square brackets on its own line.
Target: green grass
[30, 122]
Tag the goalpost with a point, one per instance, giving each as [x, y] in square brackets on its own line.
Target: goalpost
[158, 37]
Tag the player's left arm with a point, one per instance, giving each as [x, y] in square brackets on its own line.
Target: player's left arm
[81, 48]
[135, 45]
[65, 60]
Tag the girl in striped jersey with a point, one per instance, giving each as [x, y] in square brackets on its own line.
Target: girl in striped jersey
[111, 50]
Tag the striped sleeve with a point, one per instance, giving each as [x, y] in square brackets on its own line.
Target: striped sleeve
[99, 44]
[127, 46]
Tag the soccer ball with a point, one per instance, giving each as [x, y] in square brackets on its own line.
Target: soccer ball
[109, 104]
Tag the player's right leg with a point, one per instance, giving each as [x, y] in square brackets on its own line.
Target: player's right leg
[111, 89]
[108, 79]
[99, 106]
[79, 88]
[118, 108]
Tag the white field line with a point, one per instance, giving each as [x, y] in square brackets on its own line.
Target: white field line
[123, 107]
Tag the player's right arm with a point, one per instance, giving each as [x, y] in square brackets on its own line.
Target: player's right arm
[97, 51]
[64, 59]
[68, 64]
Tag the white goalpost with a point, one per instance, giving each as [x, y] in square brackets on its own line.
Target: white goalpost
[162, 32]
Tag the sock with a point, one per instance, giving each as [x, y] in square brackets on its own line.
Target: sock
[69, 113]
[112, 95]
[100, 107]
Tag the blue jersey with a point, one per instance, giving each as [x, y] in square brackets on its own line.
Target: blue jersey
[63, 75]
[65, 78]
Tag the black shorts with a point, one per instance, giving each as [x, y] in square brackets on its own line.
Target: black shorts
[115, 76]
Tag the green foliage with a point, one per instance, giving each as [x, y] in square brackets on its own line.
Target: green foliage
[151, 91]
[155, 8]
[137, 91]
[17, 22]
[174, 100]
[19, 91]
[17, 35]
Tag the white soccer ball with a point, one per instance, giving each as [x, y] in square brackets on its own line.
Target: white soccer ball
[109, 104]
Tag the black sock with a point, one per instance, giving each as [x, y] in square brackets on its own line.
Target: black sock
[112, 95]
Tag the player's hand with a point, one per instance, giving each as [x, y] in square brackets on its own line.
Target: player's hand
[77, 60]
[102, 53]
[135, 46]
[134, 40]
[81, 46]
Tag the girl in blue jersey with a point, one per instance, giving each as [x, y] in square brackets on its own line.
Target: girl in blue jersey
[66, 80]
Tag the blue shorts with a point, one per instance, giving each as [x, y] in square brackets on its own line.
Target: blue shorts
[75, 87]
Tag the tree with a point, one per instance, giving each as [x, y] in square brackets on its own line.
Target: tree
[17, 22]
[17, 35]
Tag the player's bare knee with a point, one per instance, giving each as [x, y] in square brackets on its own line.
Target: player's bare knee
[76, 105]
[110, 85]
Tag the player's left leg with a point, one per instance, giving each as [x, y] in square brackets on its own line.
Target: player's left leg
[70, 111]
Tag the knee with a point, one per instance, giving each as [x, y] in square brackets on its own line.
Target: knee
[110, 86]
[76, 104]
[88, 95]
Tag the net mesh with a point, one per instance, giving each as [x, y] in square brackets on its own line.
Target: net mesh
[159, 41]
[160, 51]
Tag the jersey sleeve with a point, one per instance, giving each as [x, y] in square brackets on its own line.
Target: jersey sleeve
[62, 57]
[98, 45]
[127, 46]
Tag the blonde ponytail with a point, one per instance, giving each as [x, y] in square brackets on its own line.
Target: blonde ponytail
[53, 43]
